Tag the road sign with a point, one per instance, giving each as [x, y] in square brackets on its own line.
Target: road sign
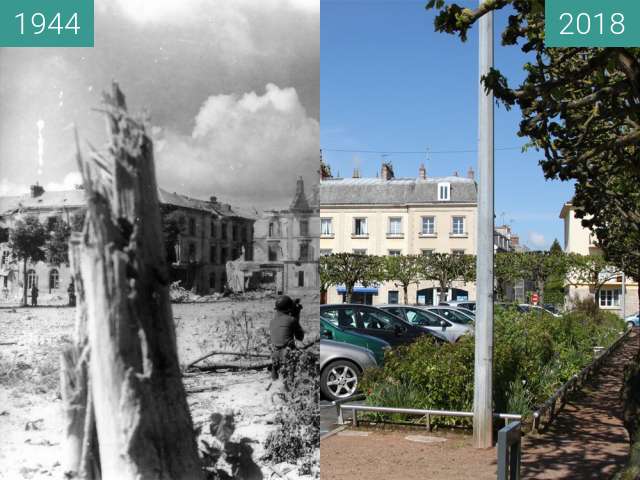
[535, 298]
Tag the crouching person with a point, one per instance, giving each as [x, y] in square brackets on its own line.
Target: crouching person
[285, 329]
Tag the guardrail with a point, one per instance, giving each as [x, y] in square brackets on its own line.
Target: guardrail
[427, 414]
[509, 450]
[556, 402]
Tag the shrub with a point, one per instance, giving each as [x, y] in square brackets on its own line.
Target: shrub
[533, 355]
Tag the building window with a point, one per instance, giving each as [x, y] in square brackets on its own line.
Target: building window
[213, 229]
[360, 227]
[610, 297]
[234, 232]
[326, 226]
[394, 297]
[395, 253]
[223, 255]
[192, 252]
[457, 251]
[304, 228]
[300, 278]
[54, 279]
[428, 225]
[212, 254]
[458, 226]
[325, 251]
[427, 251]
[273, 252]
[5, 257]
[359, 251]
[395, 226]
[444, 190]
[212, 280]
[304, 251]
[31, 279]
[223, 230]
[192, 227]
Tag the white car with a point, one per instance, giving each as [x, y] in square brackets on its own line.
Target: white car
[430, 320]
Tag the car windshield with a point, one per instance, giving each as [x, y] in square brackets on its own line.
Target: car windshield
[423, 318]
[453, 315]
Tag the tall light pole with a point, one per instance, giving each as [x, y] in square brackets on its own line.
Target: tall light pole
[482, 387]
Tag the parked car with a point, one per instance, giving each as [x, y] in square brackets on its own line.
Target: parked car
[375, 322]
[455, 315]
[467, 304]
[429, 320]
[632, 320]
[341, 368]
[330, 330]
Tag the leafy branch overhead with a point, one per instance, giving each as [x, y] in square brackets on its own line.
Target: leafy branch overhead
[580, 108]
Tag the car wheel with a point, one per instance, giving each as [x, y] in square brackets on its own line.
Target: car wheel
[339, 380]
[630, 325]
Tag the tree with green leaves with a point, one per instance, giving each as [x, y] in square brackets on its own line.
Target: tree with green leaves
[27, 240]
[447, 268]
[539, 267]
[403, 270]
[580, 108]
[508, 268]
[590, 270]
[350, 269]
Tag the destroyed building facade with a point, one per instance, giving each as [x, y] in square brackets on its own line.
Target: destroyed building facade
[210, 234]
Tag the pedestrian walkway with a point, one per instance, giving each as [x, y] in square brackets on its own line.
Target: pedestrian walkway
[588, 439]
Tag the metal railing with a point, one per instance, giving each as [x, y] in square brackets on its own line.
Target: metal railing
[557, 401]
[509, 450]
[427, 414]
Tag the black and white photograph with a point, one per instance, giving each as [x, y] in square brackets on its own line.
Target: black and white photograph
[159, 246]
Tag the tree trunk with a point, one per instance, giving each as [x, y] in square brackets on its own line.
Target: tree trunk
[349, 295]
[144, 427]
[405, 292]
[24, 283]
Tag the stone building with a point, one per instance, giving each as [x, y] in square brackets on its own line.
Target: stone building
[211, 233]
[286, 242]
[618, 295]
[399, 216]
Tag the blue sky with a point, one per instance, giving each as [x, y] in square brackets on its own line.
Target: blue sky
[390, 83]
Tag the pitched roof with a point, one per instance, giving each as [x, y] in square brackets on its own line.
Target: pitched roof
[397, 191]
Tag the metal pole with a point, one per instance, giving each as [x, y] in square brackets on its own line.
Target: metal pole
[624, 296]
[482, 391]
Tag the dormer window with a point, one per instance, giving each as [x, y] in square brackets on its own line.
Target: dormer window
[444, 190]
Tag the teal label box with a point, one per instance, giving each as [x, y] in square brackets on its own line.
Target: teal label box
[592, 23]
[46, 23]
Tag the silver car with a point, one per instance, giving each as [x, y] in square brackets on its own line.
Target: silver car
[341, 367]
[430, 320]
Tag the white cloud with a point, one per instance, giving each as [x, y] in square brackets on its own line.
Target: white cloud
[537, 240]
[70, 181]
[247, 148]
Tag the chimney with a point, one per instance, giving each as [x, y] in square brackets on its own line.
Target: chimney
[422, 172]
[36, 190]
[455, 173]
[213, 199]
[356, 173]
[471, 174]
[387, 171]
[515, 240]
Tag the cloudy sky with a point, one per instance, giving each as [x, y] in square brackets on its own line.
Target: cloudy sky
[231, 87]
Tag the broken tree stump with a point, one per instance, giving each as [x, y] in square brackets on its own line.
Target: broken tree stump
[143, 424]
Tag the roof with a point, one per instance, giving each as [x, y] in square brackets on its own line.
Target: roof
[48, 200]
[76, 199]
[397, 191]
[565, 209]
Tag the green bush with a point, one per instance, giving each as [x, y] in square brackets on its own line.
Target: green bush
[533, 355]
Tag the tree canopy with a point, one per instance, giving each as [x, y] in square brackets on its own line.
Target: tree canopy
[580, 108]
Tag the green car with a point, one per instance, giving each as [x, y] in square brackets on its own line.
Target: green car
[331, 331]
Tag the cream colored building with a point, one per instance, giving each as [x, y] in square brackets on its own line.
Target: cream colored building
[578, 239]
[399, 216]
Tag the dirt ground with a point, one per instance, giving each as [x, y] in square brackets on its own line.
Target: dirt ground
[390, 456]
[30, 408]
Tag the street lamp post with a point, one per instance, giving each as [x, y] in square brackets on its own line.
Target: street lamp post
[482, 390]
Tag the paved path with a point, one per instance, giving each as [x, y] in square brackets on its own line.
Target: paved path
[588, 439]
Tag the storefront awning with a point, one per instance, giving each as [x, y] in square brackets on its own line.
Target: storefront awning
[342, 290]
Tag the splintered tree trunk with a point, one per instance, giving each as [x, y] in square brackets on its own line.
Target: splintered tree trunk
[143, 424]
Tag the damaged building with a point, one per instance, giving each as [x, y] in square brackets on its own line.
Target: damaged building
[207, 234]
